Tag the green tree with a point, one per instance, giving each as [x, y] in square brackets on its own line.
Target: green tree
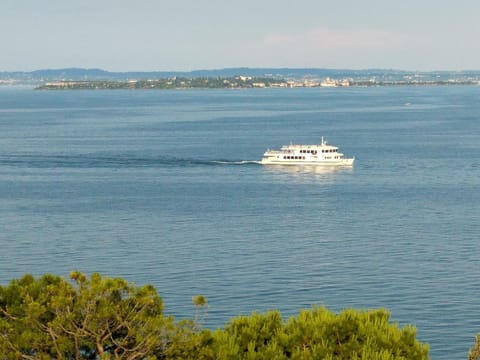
[247, 337]
[24, 315]
[474, 352]
[97, 318]
[187, 339]
[318, 334]
[351, 334]
[108, 318]
[200, 304]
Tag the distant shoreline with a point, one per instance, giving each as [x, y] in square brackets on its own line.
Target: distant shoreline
[240, 82]
[240, 77]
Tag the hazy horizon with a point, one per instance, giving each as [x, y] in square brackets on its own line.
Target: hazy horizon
[185, 35]
[233, 67]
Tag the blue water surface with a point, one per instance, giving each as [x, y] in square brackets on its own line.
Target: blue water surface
[162, 187]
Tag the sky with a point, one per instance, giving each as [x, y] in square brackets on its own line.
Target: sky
[184, 35]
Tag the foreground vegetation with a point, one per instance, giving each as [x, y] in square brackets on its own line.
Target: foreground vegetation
[109, 318]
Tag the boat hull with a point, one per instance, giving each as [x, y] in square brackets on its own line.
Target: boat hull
[340, 162]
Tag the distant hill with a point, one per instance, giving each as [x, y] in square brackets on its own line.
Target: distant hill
[99, 74]
[76, 74]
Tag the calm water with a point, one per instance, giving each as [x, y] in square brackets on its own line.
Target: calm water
[159, 187]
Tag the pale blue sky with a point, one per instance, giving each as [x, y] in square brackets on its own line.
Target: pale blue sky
[149, 35]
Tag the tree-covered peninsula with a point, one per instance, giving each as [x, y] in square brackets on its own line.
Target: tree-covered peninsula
[168, 83]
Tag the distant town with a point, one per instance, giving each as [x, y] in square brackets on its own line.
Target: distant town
[233, 78]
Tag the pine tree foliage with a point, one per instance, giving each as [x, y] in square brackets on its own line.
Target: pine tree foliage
[93, 318]
[318, 333]
[474, 352]
[108, 318]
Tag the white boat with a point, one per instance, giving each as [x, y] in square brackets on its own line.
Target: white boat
[294, 154]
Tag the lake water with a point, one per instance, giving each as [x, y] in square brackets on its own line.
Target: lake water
[161, 187]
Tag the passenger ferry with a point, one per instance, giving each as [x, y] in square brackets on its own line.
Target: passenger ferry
[320, 154]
